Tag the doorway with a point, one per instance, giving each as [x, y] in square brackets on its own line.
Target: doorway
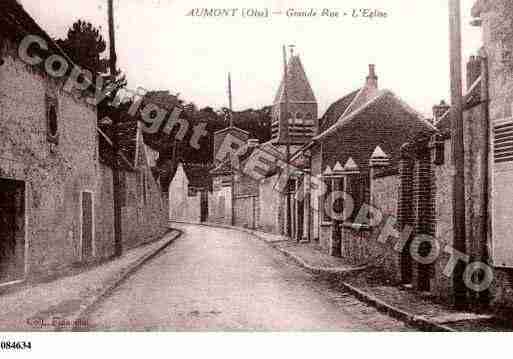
[87, 227]
[204, 205]
[12, 230]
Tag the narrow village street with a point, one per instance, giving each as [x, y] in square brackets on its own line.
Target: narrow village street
[214, 279]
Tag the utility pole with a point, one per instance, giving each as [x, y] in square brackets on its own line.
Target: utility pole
[230, 114]
[287, 139]
[230, 98]
[118, 240]
[458, 150]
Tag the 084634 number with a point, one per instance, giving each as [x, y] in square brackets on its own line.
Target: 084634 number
[8, 345]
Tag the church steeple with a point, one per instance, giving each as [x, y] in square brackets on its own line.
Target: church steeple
[302, 106]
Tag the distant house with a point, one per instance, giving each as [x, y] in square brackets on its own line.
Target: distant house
[189, 186]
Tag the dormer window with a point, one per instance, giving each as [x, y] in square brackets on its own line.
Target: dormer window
[52, 120]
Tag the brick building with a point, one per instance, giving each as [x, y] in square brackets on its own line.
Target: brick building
[351, 130]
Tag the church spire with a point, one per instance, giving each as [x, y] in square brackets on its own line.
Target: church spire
[296, 108]
[299, 89]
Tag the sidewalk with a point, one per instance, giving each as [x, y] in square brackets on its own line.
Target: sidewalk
[407, 305]
[417, 308]
[369, 286]
[59, 304]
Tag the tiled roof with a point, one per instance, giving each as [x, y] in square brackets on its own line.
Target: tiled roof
[336, 110]
[471, 99]
[386, 121]
[163, 99]
[16, 23]
[392, 100]
[127, 137]
[298, 86]
[198, 175]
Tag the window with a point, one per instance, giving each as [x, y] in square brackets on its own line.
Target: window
[299, 118]
[192, 191]
[52, 119]
[358, 187]
[326, 217]
[309, 119]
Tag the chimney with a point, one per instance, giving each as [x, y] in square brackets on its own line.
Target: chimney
[372, 79]
[440, 110]
[473, 70]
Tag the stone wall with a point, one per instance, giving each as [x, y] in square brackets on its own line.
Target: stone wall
[220, 205]
[183, 207]
[246, 211]
[54, 174]
[442, 285]
[497, 31]
[271, 206]
[143, 216]
[498, 43]
[385, 196]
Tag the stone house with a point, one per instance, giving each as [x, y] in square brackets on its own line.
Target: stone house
[494, 16]
[189, 189]
[48, 162]
[56, 207]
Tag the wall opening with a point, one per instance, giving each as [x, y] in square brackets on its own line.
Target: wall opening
[12, 230]
[87, 225]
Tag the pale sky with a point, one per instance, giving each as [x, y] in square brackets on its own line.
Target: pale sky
[160, 48]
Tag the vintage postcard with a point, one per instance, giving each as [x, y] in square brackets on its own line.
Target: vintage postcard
[255, 166]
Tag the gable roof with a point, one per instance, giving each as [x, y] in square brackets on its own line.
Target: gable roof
[385, 121]
[298, 86]
[16, 23]
[394, 101]
[336, 110]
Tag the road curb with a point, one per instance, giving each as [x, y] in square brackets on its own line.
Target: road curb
[253, 232]
[417, 321]
[330, 273]
[93, 300]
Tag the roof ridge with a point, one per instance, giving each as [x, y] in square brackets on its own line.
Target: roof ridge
[344, 120]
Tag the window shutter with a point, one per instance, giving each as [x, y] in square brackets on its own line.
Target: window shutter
[502, 198]
[503, 142]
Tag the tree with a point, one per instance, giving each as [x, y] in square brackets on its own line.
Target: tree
[84, 45]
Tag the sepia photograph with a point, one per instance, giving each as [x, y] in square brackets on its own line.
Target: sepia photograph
[254, 167]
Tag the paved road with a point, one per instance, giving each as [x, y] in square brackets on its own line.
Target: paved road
[214, 279]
